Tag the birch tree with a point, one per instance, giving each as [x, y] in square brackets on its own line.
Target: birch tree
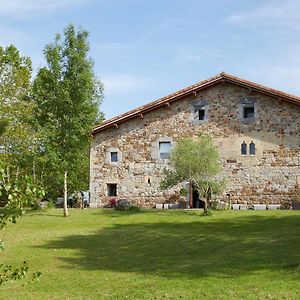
[68, 96]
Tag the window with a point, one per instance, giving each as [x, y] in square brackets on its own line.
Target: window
[164, 150]
[252, 148]
[114, 156]
[200, 112]
[111, 189]
[244, 148]
[248, 112]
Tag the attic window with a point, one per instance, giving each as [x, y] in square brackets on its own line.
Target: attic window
[248, 111]
[200, 112]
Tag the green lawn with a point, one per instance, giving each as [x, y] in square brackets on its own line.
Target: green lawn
[101, 254]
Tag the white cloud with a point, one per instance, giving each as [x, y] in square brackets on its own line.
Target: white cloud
[195, 54]
[21, 8]
[273, 12]
[116, 84]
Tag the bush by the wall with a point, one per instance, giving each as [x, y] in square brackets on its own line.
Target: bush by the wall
[123, 204]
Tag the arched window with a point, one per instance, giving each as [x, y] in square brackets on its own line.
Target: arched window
[244, 148]
[252, 148]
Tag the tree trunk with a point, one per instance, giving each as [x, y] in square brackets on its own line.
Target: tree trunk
[205, 207]
[65, 195]
[33, 170]
[191, 194]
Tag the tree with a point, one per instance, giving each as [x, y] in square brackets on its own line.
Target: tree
[18, 135]
[68, 96]
[197, 161]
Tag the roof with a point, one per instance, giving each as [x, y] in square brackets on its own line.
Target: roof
[222, 77]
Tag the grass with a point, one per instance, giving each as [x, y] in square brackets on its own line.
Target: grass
[101, 254]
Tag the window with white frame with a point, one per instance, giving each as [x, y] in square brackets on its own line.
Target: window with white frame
[252, 148]
[114, 156]
[244, 148]
[164, 150]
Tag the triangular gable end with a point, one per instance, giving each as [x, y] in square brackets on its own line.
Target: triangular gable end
[222, 77]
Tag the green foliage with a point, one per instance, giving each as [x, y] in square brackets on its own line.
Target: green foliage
[3, 125]
[197, 161]
[9, 274]
[19, 140]
[8, 214]
[68, 96]
[183, 192]
[19, 193]
[123, 204]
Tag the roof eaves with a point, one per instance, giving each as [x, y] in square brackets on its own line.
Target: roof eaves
[262, 89]
[158, 103]
[189, 90]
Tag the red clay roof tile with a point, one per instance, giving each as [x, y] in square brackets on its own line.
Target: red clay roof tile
[194, 88]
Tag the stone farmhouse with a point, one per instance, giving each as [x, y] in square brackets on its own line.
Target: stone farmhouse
[256, 129]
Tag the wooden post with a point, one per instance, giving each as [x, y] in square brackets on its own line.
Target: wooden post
[65, 195]
[191, 194]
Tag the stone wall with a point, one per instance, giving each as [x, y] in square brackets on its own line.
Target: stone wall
[272, 175]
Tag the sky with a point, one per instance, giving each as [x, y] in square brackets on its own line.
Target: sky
[143, 50]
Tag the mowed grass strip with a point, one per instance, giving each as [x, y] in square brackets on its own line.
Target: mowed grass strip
[105, 254]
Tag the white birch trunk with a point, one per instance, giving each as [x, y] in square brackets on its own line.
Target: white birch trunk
[65, 195]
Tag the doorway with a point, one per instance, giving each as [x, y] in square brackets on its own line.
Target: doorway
[197, 202]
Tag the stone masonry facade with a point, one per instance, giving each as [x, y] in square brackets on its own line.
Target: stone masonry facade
[270, 176]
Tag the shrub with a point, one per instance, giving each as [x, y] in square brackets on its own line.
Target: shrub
[134, 208]
[112, 203]
[218, 205]
[123, 204]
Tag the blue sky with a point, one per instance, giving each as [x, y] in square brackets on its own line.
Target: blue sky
[145, 49]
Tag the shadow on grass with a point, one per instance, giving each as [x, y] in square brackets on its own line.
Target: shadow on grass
[214, 247]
